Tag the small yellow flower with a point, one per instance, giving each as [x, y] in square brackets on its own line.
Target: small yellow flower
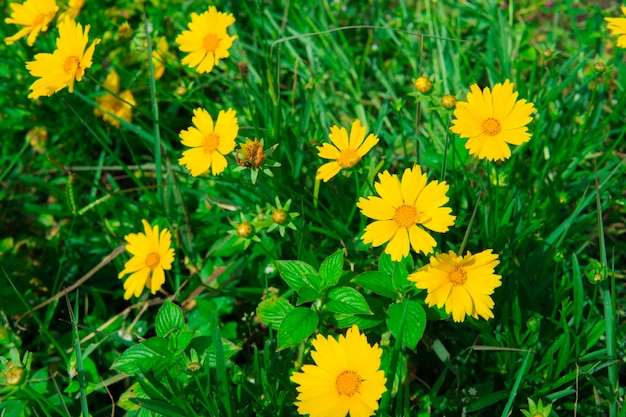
[110, 106]
[209, 142]
[617, 26]
[159, 55]
[34, 16]
[207, 40]
[405, 207]
[346, 152]
[152, 255]
[463, 284]
[66, 65]
[345, 378]
[492, 120]
[72, 10]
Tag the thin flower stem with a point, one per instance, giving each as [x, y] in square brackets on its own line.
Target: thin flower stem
[469, 226]
[156, 133]
[607, 298]
[445, 151]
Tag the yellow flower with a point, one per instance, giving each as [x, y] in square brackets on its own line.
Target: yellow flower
[110, 105]
[159, 54]
[66, 65]
[345, 378]
[463, 284]
[34, 16]
[346, 152]
[403, 209]
[492, 120]
[617, 26]
[209, 142]
[151, 256]
[72, 10]
[206, 40]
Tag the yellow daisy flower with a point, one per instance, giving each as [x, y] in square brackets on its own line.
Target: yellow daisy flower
[405, 207]
[159, 54]
[346, 152]
[209, 142]
[34, 16]
[206, 40]
[463, 284]
[66, 65]
[617, 26]
[72, 9]
[492, 120]
[345, 378]
[152, 255]
[110, 105]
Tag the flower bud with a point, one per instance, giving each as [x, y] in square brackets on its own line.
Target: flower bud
[423, 85]
[448, 102]
[279, 216]
[599, 67]
[244, 230]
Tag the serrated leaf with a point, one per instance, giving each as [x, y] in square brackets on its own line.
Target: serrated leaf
[347, 300]
[293, 273]
[376, 282]
[137, 358]
[413, 325]
[169, 319]
[298, 324]
[306, 295]
[331, 269]
[273, 310]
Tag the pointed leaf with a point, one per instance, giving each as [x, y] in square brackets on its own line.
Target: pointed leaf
[332, 268]
[169, 319]
[413, 324]
[376, 282]
[137, 358]
[299, 324]
[273, 310]
[292, 272]
[347, 300]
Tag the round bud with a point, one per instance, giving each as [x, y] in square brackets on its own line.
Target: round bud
[423, 85]
[448, 102]
[279, 216]
[244, 230]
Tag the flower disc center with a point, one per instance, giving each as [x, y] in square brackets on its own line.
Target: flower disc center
[210, 42]
[152, 260]
[457, 276]
[38, 20]
[211, 142]
[491, 127]
[71, 64]
[406, 216]
[348, 158]
[348, 383]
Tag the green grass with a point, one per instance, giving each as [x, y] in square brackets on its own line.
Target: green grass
[554, 212]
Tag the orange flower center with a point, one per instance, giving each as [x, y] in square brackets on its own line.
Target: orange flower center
[348, 383]
[244, 230]
[491, 127]
[406, 216]
[38, 20]
[457, 276]
[211, 142]
[152, 260]
[71, 65]
[348, 158]
[210, 42]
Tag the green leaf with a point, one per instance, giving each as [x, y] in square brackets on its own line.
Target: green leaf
[293, 273]
[364, 322]
[332, 268]
[413, 325]
[158, 345]
[306, 295]
[273, 310]
[169, 319]
[376, 282]
[347, 300]
[298, 324]
[137, 358]
[399, 278]
[183, 340]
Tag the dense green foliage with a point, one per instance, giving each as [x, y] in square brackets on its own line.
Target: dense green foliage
[555, 212]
